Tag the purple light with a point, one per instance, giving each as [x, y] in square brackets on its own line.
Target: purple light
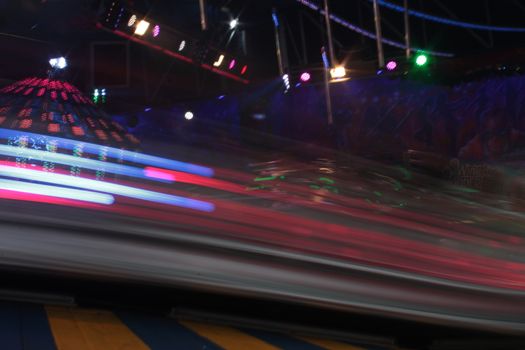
[232, 64]
[156, 31]
[305, 77]
[391, 65]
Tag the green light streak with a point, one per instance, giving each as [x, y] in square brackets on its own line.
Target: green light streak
[269, 178]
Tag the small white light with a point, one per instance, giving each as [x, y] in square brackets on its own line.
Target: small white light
[188, 115]
[62, 63]
[219, 61]
[59, 62]
[142, 27]
[132, 20]
[182, 45]
[234, 23]
[338, 72]
[286, 80]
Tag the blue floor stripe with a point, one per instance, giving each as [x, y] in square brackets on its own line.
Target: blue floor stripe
[164, 333]
[10, 327]
[24, 327]
[285, 342]
[36, 332]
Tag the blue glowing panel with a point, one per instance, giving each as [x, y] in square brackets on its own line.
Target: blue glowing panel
[111, 152]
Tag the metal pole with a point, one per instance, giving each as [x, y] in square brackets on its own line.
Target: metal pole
[423, 23]
[328, 95]
[407, 30]
[379, 36]
[329, 33]
[278, 43]
[202, 7]
[303, 38]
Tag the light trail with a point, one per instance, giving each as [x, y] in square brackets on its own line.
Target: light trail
[129, 156]
[56, 191]
[107, 187]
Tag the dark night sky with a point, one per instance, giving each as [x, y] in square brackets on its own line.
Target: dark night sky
[68, 24]
[255, 16]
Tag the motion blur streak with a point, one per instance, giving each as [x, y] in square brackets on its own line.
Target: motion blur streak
[55, 191]
[65, 159]
[107, 187]
[158, 174]
[111, 152]
[345, 206]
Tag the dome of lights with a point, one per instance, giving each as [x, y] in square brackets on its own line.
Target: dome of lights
[44, 120]
[57, 108]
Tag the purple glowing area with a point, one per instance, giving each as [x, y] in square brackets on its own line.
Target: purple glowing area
[391, 65]
[305, 77]
[156, 31]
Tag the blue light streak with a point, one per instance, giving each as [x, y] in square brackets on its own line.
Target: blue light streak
[57, 192]
[116, 153]
[275, 19]
[450, 22]
[326, 63]
[371, 35]
[106, 187]
[66, 159]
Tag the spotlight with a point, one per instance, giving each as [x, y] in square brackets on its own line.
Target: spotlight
[182, 45]
[96, 95]
[286, 81]
[305, 77]
[338, 72]
[234, 23]
[421, 60]
[244, 69]
[59, 62]
[232, 64]
[188, 115]
[142, 27]
[132, 20]
[391, 65]
[219, 61]
[156, 31]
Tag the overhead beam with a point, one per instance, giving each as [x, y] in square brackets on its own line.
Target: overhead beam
[474, 34]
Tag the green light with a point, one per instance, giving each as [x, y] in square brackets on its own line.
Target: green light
[327, 180]
[421, 60]
[269, 178]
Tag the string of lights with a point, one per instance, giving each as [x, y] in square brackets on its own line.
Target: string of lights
[448, 21]
[371, 35]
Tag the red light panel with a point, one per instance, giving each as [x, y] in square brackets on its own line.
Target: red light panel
[53, 127]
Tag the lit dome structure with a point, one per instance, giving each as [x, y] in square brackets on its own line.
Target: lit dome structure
[53, 116]
[57, 108]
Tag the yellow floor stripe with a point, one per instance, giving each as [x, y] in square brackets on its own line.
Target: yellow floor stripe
[329, 344]
[227, 338]
[80, 329]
